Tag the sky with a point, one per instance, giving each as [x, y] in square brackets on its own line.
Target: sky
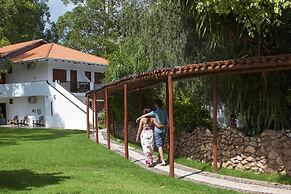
[57, 8]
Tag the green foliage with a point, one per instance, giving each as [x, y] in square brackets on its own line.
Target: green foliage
[263, 102]
[22, 20]
[90, 27]
[135, 36]
[157, 37]
[189, 110]
[188, 115]
[51, 33]
[248, 23]
[235, 29]
[137, 101]
[122, 64]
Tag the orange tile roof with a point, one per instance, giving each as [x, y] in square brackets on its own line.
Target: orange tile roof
[10, 48]
[50, 50]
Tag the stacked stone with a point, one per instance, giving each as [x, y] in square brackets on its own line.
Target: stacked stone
[196, 145]
[269, 152]
[118, 131]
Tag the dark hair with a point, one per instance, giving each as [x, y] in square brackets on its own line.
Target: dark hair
[146, 110]
[158, 102]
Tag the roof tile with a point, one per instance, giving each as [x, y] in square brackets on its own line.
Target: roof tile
[50, 50]
[10, 48]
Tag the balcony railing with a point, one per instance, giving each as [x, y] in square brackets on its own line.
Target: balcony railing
[79, 87]
[76, 87]
[97, 86]
[37, 88]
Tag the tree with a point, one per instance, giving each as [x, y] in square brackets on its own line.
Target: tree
[249, 23]
[22, 20]
[51, 34]
[90, 27]
[151, 36]
[237, 29]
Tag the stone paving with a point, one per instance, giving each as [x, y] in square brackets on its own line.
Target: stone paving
[198, 176]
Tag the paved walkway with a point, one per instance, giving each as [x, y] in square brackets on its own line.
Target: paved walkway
[198, 176]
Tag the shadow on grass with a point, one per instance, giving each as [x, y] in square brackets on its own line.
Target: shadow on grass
[12, 136]
[26, 179]
[192, 173]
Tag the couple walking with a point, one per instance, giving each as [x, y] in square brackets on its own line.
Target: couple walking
[152, 129]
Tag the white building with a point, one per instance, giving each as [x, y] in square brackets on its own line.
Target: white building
[48, 80]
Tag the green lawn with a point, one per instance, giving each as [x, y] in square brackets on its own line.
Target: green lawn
[65, 161]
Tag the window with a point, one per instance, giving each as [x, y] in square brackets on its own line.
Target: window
[10, 101]
[59, 74]
[99, 77]
[88, 75]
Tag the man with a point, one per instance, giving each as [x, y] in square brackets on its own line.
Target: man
[159, 133]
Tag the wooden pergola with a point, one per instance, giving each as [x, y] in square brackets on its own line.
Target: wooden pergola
[168, 75]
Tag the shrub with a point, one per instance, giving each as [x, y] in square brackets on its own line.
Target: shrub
[188, 114]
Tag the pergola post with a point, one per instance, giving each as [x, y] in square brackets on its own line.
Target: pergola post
[106, 118]
[96, 117]
[87, 120]
[214, 120]
[93, 113]
[171, 124]
[125, 121]
[167, 108]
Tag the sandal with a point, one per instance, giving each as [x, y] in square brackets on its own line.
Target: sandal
[163, 164]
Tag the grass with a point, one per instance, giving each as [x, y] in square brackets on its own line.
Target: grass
[276, 178]
[65, 161]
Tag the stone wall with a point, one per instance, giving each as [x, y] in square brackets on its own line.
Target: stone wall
[132, 131]
[269, 152]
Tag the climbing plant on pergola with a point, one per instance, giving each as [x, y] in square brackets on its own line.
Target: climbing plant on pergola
[168, 75]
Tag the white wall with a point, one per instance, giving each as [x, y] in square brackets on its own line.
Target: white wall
[24, 89]
[20, 72]
[69, 95]
[80, 68]
[22, 107]
[65, 114]
[68, 111]
[43, 70]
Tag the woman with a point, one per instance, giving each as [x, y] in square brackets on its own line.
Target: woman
[145, 132]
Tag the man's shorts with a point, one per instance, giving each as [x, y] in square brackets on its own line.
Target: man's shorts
[159, 139]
